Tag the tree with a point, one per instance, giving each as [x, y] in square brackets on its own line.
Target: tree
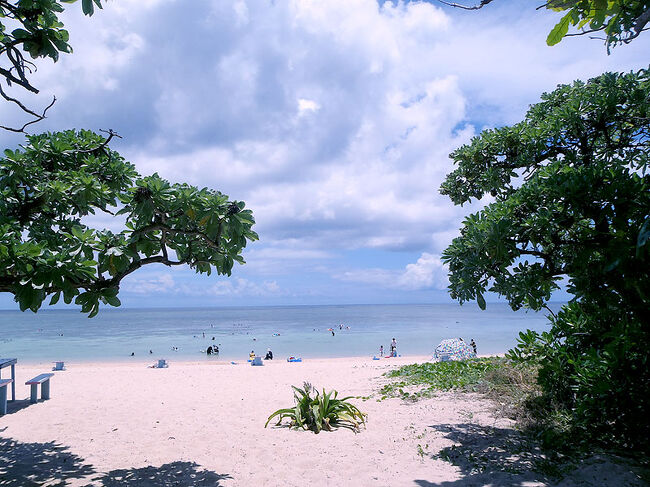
[46, 250]
[571, 200]
[620, 20]
[33, 27]
[58, 179]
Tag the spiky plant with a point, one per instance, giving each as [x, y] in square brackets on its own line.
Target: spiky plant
[322, 411]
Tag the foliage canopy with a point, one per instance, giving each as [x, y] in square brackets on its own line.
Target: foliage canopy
[49, 186]
[571, 200]
[620, 20]
[32, 27]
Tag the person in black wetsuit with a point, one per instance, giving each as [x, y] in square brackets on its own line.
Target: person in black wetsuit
[269, 355]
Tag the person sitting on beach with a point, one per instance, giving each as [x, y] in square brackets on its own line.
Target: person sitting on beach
[251, 355]
[269, 355]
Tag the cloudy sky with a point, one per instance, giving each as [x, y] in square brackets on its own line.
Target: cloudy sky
[332, 119]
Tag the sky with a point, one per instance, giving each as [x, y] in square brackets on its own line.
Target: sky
[333, 120]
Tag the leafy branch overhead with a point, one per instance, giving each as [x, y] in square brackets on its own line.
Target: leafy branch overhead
[31, 27]
[571, 197]
[620, 20]
[46, 250]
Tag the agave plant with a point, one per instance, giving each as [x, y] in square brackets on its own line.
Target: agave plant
[322, 411]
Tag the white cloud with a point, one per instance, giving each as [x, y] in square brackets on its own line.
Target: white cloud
[305, 105]
[242, 287]
[157, 283]
[428, 272]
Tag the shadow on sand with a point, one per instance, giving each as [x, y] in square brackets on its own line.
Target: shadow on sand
[37, 464]
[177, 474]
[498, 457]
[18, 404]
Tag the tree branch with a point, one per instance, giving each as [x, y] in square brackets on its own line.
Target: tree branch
[191, 233]
[37, 117]
[110, 133]
[135, 265]
[465, 7]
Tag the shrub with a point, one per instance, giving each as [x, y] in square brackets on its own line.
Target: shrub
[322, 411]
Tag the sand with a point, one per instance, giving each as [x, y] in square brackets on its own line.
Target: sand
[202, 424]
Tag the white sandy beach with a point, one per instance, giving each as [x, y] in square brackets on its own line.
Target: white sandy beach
[202, 424]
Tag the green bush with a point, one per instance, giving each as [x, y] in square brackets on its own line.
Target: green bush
[322, 411]
[594, 367]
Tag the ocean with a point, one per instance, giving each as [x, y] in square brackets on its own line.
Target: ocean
[300, 331]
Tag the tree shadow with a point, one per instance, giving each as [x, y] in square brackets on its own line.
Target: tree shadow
[498, 457]
[36, 464]
[177, 474]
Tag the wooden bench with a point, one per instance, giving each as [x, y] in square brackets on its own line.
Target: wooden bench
[44, 380]
[3, 395]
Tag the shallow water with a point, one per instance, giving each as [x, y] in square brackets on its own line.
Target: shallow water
[303, 331]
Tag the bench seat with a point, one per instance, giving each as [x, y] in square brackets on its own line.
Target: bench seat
[3, 395]
[44, 380]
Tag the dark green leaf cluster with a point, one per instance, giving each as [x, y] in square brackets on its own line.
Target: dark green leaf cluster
[594, 367]
[570, 194]
[571, 197]
[620, 20]
[46, 249]
[322, 411]
[33, 26]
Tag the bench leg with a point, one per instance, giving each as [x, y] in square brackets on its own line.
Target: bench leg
[45, 390]
[13, 384]
[3, 400]
[34, 392]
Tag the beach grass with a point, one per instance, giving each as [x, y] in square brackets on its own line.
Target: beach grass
[488, 375]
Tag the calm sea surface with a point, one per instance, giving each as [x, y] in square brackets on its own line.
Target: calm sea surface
[303, 331]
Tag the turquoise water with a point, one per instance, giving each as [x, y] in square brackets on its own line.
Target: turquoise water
[116, 333]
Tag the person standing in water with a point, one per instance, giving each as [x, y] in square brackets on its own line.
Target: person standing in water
[473, 344]
[381, 350]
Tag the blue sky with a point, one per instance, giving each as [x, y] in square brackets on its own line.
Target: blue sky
[332, 120]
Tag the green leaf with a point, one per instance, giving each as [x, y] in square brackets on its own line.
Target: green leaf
[87, 7]
[559, 31]
[55, 298]
[480, 300]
